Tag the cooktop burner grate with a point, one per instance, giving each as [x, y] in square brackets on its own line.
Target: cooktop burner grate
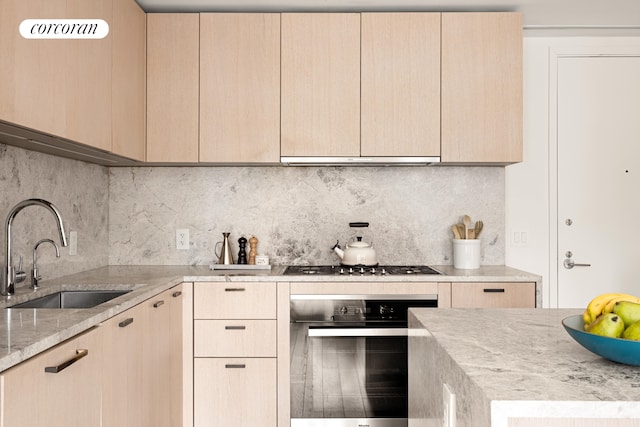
[338, 270]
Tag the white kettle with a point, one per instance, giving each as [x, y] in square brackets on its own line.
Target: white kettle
[357, 252]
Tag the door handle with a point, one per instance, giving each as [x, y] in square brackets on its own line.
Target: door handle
[64, 365]
[357, 332]
[569, 264]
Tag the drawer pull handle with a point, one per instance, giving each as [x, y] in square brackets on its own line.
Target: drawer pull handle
[126, 322]
[55, 369]
[494, 290]
[234, 289]
[176, 294]
[158, 304]
[235, 366]
[235, 328]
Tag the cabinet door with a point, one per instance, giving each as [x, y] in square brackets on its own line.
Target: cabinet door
[129, 37]
[235, 392]
[32, 71]
[240, 87]
[123, 361]
[481, 87]
[493, 295]
[320, 112]
[162, 370]
[172, 87]
[71, 397]
[236, 300]
[234, 338]
[88, 79]
[400, 84]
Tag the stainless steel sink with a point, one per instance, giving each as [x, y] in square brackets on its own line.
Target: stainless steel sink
[71, 299]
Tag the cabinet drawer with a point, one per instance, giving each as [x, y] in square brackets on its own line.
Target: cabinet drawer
[234, 338]
[255, 300]
[493, 295]
[235, 392]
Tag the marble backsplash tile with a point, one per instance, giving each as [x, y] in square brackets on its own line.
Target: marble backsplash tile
[298, 213]
[80, 192]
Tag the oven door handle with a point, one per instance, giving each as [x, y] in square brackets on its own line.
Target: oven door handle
[358, 332]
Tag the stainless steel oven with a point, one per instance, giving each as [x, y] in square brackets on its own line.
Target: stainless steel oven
[349, 359]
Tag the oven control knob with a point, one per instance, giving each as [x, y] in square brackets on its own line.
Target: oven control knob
[361, 270]
[341, 270]
[350, 270]
[373, 270]
[343, 310]
[384, 271]
[385, 309]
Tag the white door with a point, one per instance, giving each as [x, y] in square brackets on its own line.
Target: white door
[598, 139]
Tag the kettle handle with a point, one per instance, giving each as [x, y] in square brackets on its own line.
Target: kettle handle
[215, 249]
[358, 224]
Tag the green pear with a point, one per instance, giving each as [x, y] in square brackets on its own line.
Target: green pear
[629, 311]
[632, 332]
[607, 325]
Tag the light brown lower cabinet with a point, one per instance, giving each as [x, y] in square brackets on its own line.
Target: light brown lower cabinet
[239, 392]
[235, 366]
[143, 352]
[123, 360]
[60, 387]
[493, 295]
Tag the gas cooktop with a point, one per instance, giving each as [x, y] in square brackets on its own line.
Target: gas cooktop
[344, 270]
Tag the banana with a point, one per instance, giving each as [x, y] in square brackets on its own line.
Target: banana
[597, 305]
[608, 308]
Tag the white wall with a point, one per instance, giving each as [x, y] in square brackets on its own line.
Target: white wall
[527, 184]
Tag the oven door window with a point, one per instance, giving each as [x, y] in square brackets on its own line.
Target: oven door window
[348, 372]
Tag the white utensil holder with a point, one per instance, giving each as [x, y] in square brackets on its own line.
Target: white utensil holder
[466, 253]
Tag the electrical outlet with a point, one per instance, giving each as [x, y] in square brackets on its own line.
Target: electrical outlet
[519, 238]
[182, 239]
[73, 243]
[449, 402]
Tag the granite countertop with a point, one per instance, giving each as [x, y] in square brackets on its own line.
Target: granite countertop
[27, 332]
[523, 363]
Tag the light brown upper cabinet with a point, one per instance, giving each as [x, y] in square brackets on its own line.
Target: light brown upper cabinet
[481, 88]
[32, 71]
[172, 87]
[129, 73]
[400, 84]
[320, 107]
[86, 91]
[61, 87]
[88, 79]
[240, 87]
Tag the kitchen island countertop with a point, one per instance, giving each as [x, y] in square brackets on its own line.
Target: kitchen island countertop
[504, 364]
[27, 332]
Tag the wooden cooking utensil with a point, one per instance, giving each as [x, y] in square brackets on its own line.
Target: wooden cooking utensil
[478, 228]
[461, 230]
[466, 220]
[456, 232]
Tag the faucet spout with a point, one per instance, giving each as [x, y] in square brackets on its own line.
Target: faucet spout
[7, 286]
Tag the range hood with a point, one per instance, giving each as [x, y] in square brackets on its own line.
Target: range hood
[359, 161]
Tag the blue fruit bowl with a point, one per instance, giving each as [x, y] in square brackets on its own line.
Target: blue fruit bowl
[615, 349]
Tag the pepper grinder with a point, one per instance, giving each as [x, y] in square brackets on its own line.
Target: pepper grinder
[253, 244]
[242, 254]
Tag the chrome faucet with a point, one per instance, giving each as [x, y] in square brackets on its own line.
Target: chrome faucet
[7, 286]
[34, 270]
